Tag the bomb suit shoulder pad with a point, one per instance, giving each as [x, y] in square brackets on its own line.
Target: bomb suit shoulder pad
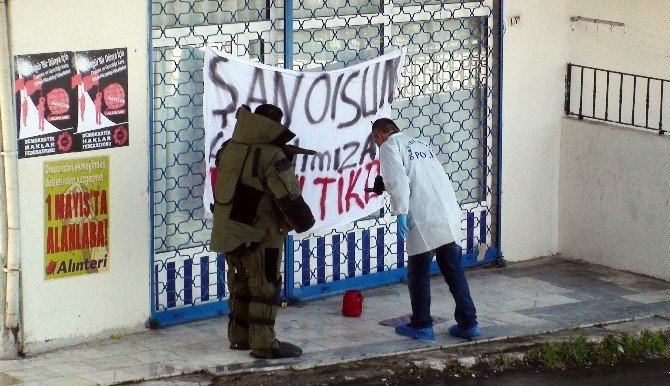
[284, 187]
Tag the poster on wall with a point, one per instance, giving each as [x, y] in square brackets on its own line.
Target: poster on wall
[45, 104]
[76, 217]
[68, 102]
[101, 82]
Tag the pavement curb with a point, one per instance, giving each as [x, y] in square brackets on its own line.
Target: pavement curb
[513, 351]
[458, 360]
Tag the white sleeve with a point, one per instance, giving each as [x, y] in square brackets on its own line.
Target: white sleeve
[396, 181]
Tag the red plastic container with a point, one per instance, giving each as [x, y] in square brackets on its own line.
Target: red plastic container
[352, 303]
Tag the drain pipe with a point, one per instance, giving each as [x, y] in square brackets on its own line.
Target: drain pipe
[12, 334]
[6, 346]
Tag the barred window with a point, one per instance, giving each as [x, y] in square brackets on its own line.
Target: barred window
[442, 95]
[330, 48]
[329, 8]
[188, 13]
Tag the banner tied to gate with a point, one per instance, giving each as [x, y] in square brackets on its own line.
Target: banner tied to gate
[330, 112]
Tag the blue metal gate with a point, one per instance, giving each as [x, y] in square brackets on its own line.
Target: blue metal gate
[449, 97]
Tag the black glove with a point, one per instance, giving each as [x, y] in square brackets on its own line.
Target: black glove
[378, 186]
[291, 151]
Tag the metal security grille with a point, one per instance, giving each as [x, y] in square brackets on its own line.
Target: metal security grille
[448, 98]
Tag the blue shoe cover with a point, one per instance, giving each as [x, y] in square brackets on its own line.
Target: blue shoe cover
[470, 333]
[425, 333]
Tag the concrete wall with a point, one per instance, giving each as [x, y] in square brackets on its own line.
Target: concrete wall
[641, 47]
[65, 311]
[613, 197]
[535, 52]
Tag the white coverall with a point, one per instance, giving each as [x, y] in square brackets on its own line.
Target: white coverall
[420, 188]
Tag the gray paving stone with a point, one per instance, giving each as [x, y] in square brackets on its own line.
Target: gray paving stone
[581, 296]
[650, 297]
[512, 330]
[660, 309]
[589, 312]
[584, 282]
[651, 324]
[636, 283]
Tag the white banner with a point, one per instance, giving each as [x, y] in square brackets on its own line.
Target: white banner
[330, 112]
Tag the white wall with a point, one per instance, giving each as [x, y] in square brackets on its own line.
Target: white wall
[613, 197]
[535, 52]
[642, 47]
[69, 310]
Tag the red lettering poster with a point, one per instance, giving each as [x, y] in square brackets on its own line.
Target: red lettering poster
[101, 81]
[45, 104]
[68, 102]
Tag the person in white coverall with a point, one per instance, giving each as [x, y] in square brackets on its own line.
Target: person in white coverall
[430, 217]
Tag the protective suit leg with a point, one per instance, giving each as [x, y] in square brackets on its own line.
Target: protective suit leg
[263, 268]
[238, 303]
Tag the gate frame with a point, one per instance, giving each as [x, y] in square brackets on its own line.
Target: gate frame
[218, 308]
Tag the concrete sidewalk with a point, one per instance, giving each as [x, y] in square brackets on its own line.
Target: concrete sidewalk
[528, 298]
